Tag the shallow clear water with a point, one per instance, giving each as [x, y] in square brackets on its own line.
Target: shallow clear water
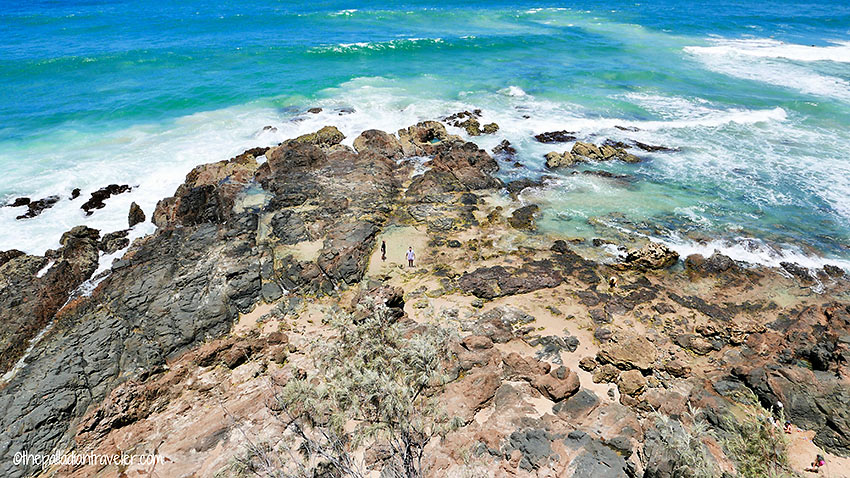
[756, 98]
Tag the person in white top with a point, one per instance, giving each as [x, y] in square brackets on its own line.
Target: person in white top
[410, 256]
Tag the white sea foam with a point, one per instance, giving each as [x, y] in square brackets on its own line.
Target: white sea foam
[778, 64]
[156, 158]
[769, 48]
[753, 251]
[399, 43]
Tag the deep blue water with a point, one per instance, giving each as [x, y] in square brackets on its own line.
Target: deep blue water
[756, 95]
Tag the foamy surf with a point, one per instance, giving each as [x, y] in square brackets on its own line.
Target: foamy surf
[777, 64]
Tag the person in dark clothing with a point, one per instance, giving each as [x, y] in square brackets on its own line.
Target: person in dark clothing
[383, 250]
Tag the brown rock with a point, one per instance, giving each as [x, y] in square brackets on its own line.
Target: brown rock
[327, 136]
[653, 255]
[631, 382]
[606, 373]
[378, 142]
[587, 363]
[465, 397]
[558, 384]
[630, 351]
[526, 368]
[677, 368]
[477, 342]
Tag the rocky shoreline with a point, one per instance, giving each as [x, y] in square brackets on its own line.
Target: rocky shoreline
[561, 364]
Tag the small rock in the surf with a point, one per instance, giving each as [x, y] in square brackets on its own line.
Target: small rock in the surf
[504, 149]
[21, 201]
[96, 201]
[136, 215]
[75, 193]
[314, 110]
[34, 208]
[555, 137]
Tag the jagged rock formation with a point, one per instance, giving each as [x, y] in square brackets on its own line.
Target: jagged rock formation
[558, 367]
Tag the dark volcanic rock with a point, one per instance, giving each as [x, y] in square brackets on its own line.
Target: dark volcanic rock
[6, 256]
[717, 263]
[498, 281]
[34, 208]
[96, 201]
[75, 193]
[114, 241]
[136, 215]
[523, 218]
[812, 400]
[132, 323]
[799, 272]
[504, 149]
[555, 137]
[186, 282]
[18, 202]
[31, 295]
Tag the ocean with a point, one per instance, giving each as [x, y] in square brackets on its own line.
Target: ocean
[754, 97]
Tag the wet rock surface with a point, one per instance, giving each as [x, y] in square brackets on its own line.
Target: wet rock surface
[96, 201]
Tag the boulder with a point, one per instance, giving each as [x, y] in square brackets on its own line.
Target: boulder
[700, 266]
[477, 342]
[558, 160]
[490, 128]
[631, 383]
[653, 255]
[558, 384]
[605, 373]
[525, 368]
[523, 218]
[604, 153]
[378, 142]
[465, 397]
[629, 351]
[136, 215]
[587, 150]
[114, 241]
[325, 137]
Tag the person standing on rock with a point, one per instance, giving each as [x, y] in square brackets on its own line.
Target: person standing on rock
[410, 256]
[383, 250]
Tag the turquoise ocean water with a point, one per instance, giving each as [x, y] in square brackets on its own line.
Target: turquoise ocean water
[755, 95]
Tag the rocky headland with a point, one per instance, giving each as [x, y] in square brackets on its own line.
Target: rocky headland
[559, 365]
